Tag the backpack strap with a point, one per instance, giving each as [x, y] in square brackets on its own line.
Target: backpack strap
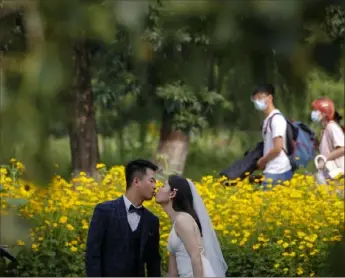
[269, 122]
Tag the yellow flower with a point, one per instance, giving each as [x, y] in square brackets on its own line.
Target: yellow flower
[311, 238]
[20, 166]
[26, 191]
[300, 234]
[301, 219]
[336, 238]
[256, 246]
[70, 227]
[85, 225]
[20, 243]
[34, 246]
[74, 249]
[295, 194]
[100, 165]
[299, 271]
[63, 219]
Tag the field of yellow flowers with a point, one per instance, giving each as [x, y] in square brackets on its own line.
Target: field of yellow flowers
[283, 232]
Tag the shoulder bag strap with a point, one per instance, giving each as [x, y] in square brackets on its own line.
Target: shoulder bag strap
[269, 122]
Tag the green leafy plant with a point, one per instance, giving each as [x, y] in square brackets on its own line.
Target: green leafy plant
[188, 106]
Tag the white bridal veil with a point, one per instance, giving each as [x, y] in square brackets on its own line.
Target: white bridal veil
[212, 249]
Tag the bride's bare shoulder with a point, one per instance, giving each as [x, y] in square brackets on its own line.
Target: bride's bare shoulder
[184, 220]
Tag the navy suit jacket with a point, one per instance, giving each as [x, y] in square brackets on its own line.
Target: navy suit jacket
[107, 248]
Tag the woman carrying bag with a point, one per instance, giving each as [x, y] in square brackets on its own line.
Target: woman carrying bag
[332, 137]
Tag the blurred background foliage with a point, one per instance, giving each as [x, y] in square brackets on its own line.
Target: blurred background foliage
[96, 80]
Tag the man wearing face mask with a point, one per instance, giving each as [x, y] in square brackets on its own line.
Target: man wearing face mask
[275, 162]
[332, 137]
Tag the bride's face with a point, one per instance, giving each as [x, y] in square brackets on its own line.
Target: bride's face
[164, 194]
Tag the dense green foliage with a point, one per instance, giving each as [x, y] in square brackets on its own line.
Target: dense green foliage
[197, 62]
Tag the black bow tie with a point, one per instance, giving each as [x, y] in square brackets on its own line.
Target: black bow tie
[137, 210]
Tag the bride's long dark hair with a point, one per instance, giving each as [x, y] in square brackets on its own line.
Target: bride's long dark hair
[183, 201]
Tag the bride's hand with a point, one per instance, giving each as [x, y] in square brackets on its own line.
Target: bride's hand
[172, 266]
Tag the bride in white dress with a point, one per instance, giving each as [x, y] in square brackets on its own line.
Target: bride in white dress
[193, 244]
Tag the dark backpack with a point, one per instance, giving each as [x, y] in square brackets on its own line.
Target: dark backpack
[247, 164]
[300, 143]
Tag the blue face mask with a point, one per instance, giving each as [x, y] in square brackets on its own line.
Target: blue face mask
[316, 116]
[260, 104]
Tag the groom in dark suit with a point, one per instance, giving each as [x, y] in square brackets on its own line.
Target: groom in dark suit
[124, 236]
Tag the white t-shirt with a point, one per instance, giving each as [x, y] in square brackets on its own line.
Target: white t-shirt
[281, 163]
[332, 137]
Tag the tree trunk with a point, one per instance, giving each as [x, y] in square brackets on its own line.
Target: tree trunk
[121, 143]
[173, 148]
[259, 66]
[143, 121]
[143, 133]
[82, 128]
[211, 74]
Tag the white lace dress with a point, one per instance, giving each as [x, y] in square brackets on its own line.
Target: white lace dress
[184, 265]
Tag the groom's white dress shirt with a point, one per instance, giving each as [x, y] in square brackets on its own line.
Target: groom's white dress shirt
[133, 218]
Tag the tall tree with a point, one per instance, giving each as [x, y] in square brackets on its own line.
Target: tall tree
[55, 60]
[180, 68]
[82, 127]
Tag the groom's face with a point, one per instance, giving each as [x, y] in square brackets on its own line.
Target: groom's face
[147, 185]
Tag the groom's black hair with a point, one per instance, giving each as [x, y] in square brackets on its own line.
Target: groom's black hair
[137, 168]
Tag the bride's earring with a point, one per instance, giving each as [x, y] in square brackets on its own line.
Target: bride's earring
[174, 193]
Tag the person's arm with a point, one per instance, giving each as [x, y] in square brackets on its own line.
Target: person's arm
[185, 229]
[172, 266]
[337, 139]
[94, 242]
[153, 263]
[278, 144]
[338, 152]
[278, 127]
